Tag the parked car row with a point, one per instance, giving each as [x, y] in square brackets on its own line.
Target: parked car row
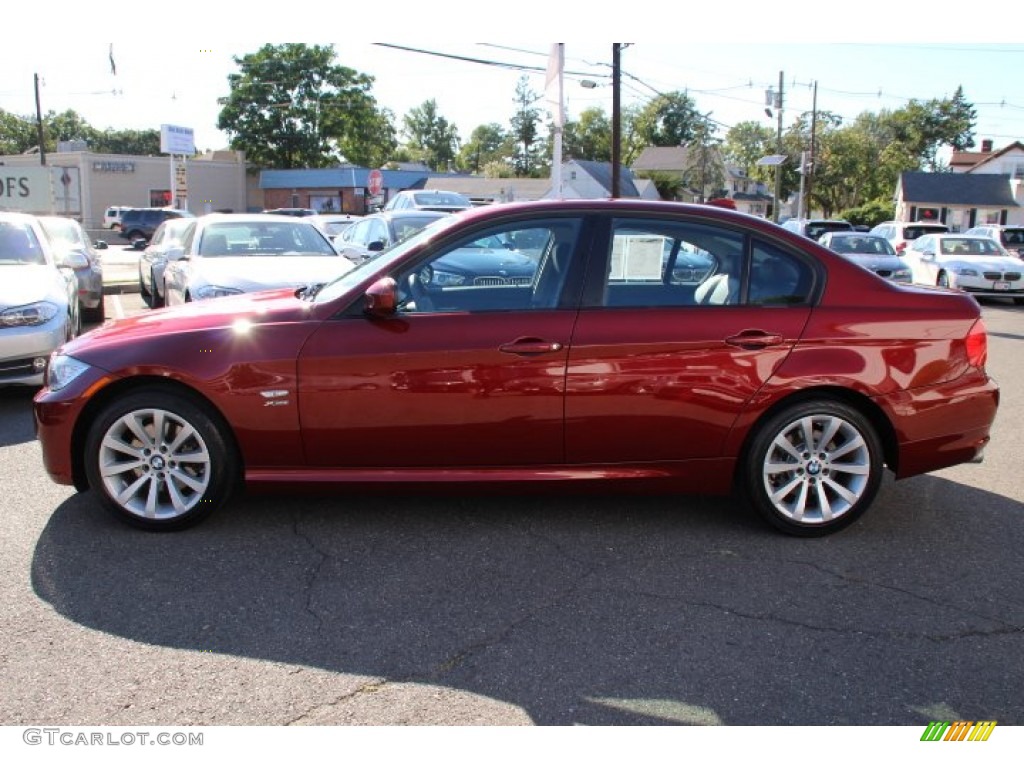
[221, 254]
[48, 274]
[603, 364]
[138, 224]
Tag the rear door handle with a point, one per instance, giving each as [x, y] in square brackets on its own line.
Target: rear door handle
[530, 347]
[754, 339]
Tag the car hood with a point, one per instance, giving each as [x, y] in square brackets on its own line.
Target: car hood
[476, 259]
[984, 263]
[258, 273]
[26, 283]
[264, 308]
[877, 261]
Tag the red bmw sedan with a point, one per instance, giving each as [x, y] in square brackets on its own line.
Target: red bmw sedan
[654, 346]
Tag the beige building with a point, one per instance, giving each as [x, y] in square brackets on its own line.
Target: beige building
[84, 184]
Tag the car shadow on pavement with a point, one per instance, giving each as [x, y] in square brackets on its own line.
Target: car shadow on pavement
[582, 610]
[16, 420]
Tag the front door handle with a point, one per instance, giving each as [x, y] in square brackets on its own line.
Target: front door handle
[754, 339]
[530, 347]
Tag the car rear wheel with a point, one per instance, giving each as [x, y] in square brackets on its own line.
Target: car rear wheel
[813, 468]
[943, 281]
[156, 300]
[160, 460]
[95, 314]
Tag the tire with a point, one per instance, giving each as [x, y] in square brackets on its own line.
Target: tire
[143, 291]
[943, 280]
[95, 315]
[803, 489]
[155, 300]
[134, 235]
[149, 483]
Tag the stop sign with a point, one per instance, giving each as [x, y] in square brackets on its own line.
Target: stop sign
[375, 184]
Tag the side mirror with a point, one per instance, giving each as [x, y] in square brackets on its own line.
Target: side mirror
[174, 253]
[72, 261]
[376, 245]
[139, 244]
[100, 245]
[382, 298]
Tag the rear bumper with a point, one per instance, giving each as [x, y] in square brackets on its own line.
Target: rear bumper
[944, 425]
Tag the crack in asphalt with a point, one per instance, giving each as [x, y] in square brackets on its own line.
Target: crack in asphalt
[774, 618]
[314, 574]
[370, 687]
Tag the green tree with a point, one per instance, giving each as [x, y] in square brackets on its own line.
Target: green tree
[527, 158]
[668, 120]
[703, 173]
[488, 143]
[291, 106]
[924, 127]
[431, 137]
[17, 133]
[127, 142]
[589, 137]
[745, 144]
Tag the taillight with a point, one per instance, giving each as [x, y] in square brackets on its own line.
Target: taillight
[977, 344]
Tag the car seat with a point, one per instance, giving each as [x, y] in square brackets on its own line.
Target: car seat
[717, 289]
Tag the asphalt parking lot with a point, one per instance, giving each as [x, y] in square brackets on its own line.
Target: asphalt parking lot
[484, 609]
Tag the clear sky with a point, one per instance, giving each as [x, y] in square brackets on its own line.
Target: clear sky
[173, 68]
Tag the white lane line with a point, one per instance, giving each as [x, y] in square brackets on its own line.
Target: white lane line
[118, 307]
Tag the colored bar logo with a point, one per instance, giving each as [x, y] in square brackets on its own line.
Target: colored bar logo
[962, 730]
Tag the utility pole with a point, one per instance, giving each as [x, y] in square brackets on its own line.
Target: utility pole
[616, 119]
[39, 124]
[810, 161]
[778, 150]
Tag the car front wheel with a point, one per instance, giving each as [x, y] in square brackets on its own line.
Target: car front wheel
[160, 460]
[813, 468]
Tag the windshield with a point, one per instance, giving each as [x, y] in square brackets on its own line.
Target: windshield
[263, 238]
[877, 246]
[382, 262]
[917, 230]
[63, 232]
[970, 246]
[441, 198]
[819, 228]
[19, 245]
[1013, 237]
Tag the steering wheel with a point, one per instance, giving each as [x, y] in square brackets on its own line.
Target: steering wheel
[417, 290]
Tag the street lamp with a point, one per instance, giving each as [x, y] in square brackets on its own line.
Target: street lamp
[776, 161]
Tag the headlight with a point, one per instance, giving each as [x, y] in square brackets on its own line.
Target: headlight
[30, 314]
[214, 292]
[966, 271]
[902, 274]
[448, 278]
[63, 370]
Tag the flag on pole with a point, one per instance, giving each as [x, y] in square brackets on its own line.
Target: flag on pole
[113, 67]
[553, 83]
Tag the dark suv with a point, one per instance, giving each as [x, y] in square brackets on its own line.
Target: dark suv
[141, 223]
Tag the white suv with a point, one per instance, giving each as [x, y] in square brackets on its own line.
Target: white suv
[901, 233]
[1010, 236]
[428, 200]
[112, 216]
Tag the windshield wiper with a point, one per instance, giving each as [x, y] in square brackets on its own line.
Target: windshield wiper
[310, 290]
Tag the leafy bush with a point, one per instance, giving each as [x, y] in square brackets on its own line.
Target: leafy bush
[871, 213]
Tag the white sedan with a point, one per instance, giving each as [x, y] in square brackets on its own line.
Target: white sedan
[974, 264]
[230, 253]
[38, 300]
